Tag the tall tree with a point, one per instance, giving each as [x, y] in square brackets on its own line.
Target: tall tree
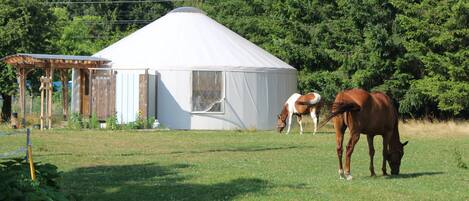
[25, 26]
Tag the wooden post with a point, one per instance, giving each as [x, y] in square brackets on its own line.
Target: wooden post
[90, 92]
[46, 97]
[113, 93]
[42, 89]
[143, 94]
[21, 74]
[49, 104]
[63, 77]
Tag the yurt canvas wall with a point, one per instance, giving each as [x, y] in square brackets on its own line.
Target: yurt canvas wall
[207, 76]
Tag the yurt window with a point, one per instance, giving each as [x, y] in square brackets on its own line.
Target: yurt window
[207, 91]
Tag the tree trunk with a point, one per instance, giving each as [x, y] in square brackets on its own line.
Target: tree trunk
[6, 107]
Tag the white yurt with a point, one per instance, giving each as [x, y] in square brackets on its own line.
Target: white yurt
[204, 76]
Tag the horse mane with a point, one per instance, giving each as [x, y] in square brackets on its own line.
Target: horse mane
[339, 108]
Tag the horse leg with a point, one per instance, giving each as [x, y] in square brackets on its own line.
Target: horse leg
[315, 119]
[385, 152]
[354, 137]
[340, 127]
[372, 153]
[290, 116]
[298, 119]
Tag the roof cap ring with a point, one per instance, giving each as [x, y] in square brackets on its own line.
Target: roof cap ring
[187, 9]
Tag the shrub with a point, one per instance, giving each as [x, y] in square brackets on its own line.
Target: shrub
[140, 121]
[16, 182]
[75, 121]
[111, 122]
[149, 122]
[130, 125]
[94, 122]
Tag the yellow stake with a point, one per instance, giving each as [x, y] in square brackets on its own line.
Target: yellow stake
[31, 164]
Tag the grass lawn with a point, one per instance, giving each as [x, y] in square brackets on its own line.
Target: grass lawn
[233, 165]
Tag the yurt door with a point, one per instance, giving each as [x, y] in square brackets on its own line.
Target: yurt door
[84, 93]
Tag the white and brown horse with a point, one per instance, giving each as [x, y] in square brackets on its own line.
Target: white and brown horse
[299, 105]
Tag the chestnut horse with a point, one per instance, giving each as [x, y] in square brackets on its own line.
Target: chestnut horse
[371, 114]
[299, 105]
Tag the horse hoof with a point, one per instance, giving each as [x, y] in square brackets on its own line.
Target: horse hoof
[341, 174]
[349, 177]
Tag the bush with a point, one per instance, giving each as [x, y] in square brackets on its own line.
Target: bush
[94, 122]
[150, 122]
[130, 125]
[111, 122]
[140, 121]
[75, 121]
[16, 182]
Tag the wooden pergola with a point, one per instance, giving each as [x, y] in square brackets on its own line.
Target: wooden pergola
[25, 63]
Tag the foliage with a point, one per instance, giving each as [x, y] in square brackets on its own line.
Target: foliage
[149, 122]
[16, 182]
[75, 121]
[130, 126]
[415, 51]
[94, 122]
[459, 161]
[111, 122]
[398, 47]
[25, 26]
[140, 122]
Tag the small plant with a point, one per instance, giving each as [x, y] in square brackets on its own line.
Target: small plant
[140, 121]
[458, 157]
[75, 121]
[94, 122]
[130, 125]
[16, 182]
[111, 122]
[150, 122]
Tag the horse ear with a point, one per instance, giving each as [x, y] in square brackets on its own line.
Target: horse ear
[405, 143]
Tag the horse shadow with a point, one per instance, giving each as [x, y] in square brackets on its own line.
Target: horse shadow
[152, 182]
[413, 175]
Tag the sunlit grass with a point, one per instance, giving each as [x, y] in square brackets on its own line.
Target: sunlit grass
[236, 165]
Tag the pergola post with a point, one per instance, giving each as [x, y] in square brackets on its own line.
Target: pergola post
[90, 92]
[43, 90]
[63, 77]
[49, 104]
[21, 74]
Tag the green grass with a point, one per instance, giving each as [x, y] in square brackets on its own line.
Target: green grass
[209, 165]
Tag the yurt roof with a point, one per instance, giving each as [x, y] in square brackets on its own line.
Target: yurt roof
[187, 39]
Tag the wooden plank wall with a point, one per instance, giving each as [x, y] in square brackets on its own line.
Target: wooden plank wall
[143, 95]
[103, 93]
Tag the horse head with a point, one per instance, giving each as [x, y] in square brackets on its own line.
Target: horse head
[395, 157]
[281, 123]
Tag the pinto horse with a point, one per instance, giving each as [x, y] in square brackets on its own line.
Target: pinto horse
[299, 105]
[371, 114]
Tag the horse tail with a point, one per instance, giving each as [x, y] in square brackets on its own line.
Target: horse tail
[340, 108]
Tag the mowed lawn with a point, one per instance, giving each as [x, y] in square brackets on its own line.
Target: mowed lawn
[235, 165]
